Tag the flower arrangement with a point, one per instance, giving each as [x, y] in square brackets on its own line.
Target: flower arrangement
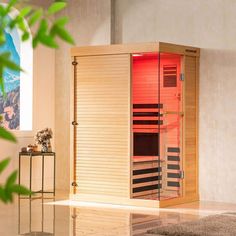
[43, 138]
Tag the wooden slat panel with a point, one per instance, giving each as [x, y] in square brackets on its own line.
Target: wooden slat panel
[144, 175]
[190, 135]
[103, 113]
[145, 165]
[146, 184]
[146, 193]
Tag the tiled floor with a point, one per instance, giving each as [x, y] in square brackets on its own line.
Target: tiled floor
[67, 218]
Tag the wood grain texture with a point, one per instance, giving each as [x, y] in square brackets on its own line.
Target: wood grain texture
[191, 127]
[135, 48]
[103, 137]
[115, 49]
[179, 49]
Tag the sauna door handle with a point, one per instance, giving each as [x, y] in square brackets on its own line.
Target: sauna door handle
[173, 113]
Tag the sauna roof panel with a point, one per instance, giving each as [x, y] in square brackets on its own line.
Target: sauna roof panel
[134, 48]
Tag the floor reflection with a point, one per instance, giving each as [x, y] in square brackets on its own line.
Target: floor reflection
[121, 223]
[37, 217]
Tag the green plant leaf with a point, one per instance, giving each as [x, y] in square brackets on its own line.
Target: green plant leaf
[25, 36]
[8, 194]
[48, 41]
[2, 10]
[42, 27]
[3, 196]
[7, 191]
[10, 4]
[7, 62]
[63, 34]
[3, 164]
[20, 189]
[2, 38]
[11, 179]
[13, 23]
[21, 25]
[25, 11]
[35, 17]
[56, 7]
[35, 42]
[2, 86]
[61, 21]
[4, 134]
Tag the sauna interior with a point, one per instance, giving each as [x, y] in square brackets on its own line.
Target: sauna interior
[157, 125]
[135, 124]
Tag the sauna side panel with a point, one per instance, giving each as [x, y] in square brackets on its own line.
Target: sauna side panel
[103, 131]
[191, 126]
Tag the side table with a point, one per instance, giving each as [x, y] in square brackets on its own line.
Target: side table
[42, 154]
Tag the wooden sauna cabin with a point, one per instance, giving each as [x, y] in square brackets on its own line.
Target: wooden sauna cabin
[135, 124]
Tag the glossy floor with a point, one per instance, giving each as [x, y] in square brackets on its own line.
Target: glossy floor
[67, 218]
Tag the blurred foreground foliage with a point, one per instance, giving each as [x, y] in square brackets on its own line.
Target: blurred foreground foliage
[47, 30]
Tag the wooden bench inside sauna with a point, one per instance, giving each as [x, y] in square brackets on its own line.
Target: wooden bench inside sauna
[135, 124]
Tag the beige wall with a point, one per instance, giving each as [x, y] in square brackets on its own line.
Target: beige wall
[43, 115]
[203, 23]
[43, 109]
[217, 125]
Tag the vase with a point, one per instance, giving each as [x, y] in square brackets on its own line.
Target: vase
[44, 147]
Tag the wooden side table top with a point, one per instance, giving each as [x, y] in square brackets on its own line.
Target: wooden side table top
[37, 153]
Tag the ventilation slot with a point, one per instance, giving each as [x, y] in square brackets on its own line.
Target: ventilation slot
[170, 75]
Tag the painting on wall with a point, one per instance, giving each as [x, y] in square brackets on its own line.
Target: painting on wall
[10, 105]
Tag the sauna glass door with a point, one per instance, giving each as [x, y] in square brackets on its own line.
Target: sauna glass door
[156, 159]
[146, 120]
[171, 129]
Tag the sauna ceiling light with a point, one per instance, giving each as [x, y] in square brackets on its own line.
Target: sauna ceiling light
[137, 55]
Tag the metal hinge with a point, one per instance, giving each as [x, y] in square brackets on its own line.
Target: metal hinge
[74, 184]
[181, 174]
[181, 77]
[74, 63]
[74, 216]
[74, 123]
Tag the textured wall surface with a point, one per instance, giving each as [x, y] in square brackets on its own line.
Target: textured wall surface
[217, 125]
[209, 25]
[204, 23]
